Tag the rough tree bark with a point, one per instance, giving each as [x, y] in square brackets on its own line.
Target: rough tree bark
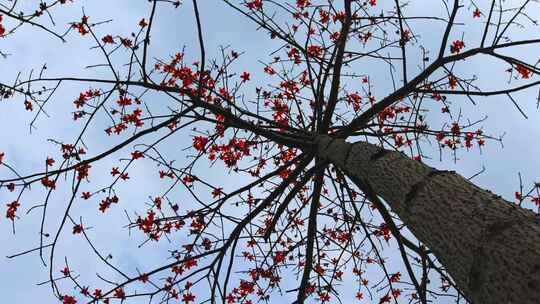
[489, 246]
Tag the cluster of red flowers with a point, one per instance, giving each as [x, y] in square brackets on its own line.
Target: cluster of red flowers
[137, 154]
[245, 76]
[339, 16]
[337, 235]
[132, 118]
[81, 26]
[396, 277]
[146, 224]
[108, 39]
[188, 298]
[294, 54]
[69, 151]
[85, 96]
[28, 105]
[48, 183]
[267, 274]
[66, 299]
[82, 170]
[254, 5]
[230, 153]
[384, 231]
[524, 72]
[119, 293]
[124, 101]
[314, 51]
[12, 209]
[106, 203]
[477, 13]
[269, 70]
[535, 199]
[78, 229]
[355, 100]
[199, 143]
[457, 46]
[452, 82]
[281, 112]
[2, 28]
[290, 88]
[302, 3]
[182, 74]
[456, 132]
[469, 136]
[155, 229]
[238, 293]
[391, 111]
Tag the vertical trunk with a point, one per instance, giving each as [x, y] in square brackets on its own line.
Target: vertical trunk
[490, 247]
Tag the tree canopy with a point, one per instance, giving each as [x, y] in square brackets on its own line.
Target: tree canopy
[279, 164]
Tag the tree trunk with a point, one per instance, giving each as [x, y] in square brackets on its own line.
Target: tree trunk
[489, 246]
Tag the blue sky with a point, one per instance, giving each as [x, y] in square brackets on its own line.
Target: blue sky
[31, 48]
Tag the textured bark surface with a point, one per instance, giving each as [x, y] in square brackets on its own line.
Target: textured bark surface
[489, 246]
